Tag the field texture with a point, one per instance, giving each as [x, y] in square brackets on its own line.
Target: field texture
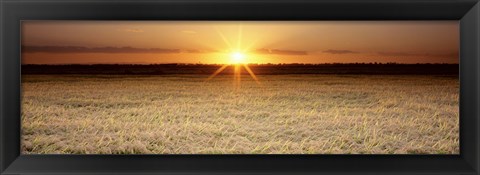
[286, 114]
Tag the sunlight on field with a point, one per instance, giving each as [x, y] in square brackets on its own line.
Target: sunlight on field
[183, 114]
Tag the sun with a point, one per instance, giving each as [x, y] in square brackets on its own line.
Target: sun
[237, 58]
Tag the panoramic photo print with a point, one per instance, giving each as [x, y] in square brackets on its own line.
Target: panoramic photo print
[240, 87]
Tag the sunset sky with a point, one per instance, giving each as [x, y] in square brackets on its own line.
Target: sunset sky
[215, 42]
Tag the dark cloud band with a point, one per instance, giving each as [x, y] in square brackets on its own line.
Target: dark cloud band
[281, 52]
[332, 51]
[79, 49]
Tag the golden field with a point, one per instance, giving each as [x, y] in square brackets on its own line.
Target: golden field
[286, 114]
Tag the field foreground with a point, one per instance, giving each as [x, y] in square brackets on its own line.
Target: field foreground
[286, 114]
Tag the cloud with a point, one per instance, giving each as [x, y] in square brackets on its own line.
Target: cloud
[134, 30]
[189, 32]
[409, 54]
[80, 49]
[332, 51]
[193, 51]
[281, 52]
[199, 51]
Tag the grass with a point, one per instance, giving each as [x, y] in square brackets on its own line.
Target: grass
[287, 114]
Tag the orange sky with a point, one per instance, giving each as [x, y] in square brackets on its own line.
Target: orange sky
[147, 42]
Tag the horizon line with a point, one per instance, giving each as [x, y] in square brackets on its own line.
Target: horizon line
[234, 64]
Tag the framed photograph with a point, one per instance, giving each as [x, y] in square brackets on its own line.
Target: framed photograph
[239, 87]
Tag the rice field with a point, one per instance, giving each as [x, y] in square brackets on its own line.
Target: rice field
[285, 114]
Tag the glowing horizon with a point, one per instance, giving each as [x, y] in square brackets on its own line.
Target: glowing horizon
[316, 42]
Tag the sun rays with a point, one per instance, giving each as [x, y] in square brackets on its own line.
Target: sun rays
[238, 59]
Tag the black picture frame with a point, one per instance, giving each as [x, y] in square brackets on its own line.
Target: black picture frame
[14, 11]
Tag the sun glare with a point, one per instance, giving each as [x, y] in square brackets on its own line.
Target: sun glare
[237, 58]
